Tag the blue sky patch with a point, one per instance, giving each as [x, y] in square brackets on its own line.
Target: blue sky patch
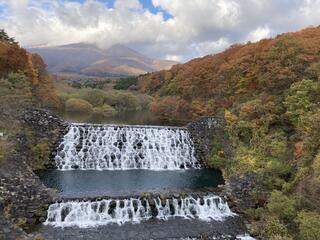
[147, 4]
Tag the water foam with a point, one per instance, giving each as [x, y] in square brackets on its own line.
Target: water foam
[89, 214]
[107, 147]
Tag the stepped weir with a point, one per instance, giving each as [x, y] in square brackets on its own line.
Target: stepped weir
[107, 147]
[140, 148]
[135, 210]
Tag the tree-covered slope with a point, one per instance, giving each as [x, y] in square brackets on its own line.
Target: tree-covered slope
[269, 95]
[205, 85]
[31, 70]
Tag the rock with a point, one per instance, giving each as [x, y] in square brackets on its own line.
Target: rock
[205, 132]
[46, 128]
[38, 237]
[24, 198]
[238, 189]
[176, 195]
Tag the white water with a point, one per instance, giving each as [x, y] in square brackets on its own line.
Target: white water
[113, 147]
[245, 237]
[104, 212]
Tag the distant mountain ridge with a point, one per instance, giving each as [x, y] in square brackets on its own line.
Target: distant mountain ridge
[88, 59]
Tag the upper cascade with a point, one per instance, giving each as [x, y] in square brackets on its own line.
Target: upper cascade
[107, 147]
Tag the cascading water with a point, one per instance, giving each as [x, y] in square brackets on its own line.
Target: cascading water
[124, 147]
[104, 212]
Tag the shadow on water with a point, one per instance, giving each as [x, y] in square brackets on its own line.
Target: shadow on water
[143, 117]
[90, 183]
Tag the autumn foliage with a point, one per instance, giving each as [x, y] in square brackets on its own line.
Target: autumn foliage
[269, 95]
[239, 73]
[14, 59]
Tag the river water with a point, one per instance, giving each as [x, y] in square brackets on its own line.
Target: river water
[90, 183]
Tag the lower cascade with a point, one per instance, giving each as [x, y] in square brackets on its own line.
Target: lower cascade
[94, 213]
[109, 147]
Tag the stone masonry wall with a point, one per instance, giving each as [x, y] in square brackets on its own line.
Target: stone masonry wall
[23, 197]
[205, 132]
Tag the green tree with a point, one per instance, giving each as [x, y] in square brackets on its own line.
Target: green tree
[281, 205]
[104, 111]
[309, 225]
[125, 83]
[75, 105]
[303, 97]
[275, 229]
[4, 37]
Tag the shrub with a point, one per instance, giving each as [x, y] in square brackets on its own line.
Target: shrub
[217, 159]
[170, 89]
[316, 167]
[281, 205]
[95, 97]
[144, 101]
[275, 144]
[314, 71]
[274, 229]
[125, 83]
[309, 225]
[244, 132]
[245, 160]
[40, 154]
[16, 83]
[5, 37]
[302, 98]
[230, 117]
[122, 101]
[255, 213]
[279, 237]
[3, 149]
[104, 111]
[75, 105]
[63, 96]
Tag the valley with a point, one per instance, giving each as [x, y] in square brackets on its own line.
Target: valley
[221, 147]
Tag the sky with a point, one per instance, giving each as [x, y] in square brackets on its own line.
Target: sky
[168, 29]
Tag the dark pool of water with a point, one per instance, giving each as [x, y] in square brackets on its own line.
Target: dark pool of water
[86, 183]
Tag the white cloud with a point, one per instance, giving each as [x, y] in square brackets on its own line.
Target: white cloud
[205, 48]
[259, 33]
[197, 27]
[176, 58]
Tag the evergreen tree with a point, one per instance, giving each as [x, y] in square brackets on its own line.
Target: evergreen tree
[4, 37]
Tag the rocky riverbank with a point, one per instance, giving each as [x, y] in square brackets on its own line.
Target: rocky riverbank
[209, 132]
[23, 198]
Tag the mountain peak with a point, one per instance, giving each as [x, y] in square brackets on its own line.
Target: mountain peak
[89, 59]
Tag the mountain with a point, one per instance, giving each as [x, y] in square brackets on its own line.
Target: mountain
[88, 59]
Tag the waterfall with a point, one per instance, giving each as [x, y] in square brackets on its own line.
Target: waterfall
[134, 210]
[102, 147]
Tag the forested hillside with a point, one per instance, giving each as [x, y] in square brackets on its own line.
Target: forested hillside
[205, 85]
[269, 95]
[24, 72]
[24, 83]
